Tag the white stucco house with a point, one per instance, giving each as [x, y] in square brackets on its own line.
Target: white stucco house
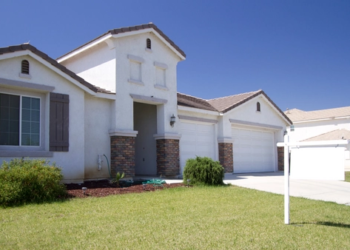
[114, 102]
[321, 125]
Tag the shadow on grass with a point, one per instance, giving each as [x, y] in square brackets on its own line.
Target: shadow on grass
[322, 223]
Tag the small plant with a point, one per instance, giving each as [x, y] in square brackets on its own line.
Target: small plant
[118, 176]
[29, 181]
[203, 170]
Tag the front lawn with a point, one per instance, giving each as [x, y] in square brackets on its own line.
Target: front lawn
[179, 218]
[347, 176]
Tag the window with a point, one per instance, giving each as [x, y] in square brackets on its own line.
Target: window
[25, 67]
[19, 120]
[160, 76]
[135, 71]
[148, 44]
[258, 106]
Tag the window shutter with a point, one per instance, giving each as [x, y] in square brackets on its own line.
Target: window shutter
[59, 122]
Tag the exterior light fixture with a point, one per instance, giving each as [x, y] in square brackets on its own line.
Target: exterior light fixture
[172, 120]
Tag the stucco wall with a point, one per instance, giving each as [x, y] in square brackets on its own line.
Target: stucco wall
[97, 139]
[72, 162]
[160, 53]
[97, 66]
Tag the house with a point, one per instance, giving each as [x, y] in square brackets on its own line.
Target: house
[321, 125]
[111, 105]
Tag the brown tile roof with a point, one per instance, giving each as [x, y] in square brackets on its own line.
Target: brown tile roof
[53, 62]
[223, 104]
[193, 102]
[339, 134]
[129, 29]
[297, 115]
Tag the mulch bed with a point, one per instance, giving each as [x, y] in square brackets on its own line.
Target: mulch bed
[104, 188]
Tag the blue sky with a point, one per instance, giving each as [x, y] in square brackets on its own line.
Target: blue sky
[297, 51]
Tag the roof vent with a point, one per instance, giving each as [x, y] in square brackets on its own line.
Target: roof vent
[25, 67]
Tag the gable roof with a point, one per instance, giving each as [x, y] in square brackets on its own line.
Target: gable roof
[224, 104]
[54, 63]
[339, 134]
[297, 115]
[130, 29]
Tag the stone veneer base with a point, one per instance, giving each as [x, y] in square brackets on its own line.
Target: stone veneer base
[226, 156]
[123, 155]
[280, 154]
[168, 156]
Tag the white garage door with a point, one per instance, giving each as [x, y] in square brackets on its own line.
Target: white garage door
[253, 151]
[196, 140]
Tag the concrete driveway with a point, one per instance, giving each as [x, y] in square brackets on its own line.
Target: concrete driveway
[273, 182]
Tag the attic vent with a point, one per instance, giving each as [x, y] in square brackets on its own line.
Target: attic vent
[258, 106]
[148, 43]
[25, 67]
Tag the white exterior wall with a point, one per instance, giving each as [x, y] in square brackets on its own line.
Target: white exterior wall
[268, 120]
[72, 162]
[160, 53]
[307, 130]
[97, 140]
[97, 66]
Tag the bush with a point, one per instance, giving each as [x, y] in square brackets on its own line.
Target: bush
[203, 170]
[29, 181]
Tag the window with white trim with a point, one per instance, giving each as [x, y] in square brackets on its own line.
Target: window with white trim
[160, 76]
[135, 71]
[19, 120]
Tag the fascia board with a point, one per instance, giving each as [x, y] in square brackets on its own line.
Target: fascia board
[323, 119]
[86, 47]
[195, 110]
[136, 32]
[14, 54]
[105, 96]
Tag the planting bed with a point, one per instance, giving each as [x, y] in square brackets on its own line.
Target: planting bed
[104, 188]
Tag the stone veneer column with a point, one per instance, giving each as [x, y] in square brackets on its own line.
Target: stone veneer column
[168, 154]
[280, 154]
[123, 155]
[226, 156]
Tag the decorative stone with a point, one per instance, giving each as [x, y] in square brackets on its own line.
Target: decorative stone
[168, 156]
[226, 156]
[123, 155]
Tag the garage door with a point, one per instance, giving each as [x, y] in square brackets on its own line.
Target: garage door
[196, 140]
[253, 151]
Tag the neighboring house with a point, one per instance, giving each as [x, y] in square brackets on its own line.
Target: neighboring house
[114, 101]
[321, 125]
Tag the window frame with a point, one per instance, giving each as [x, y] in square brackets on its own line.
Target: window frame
[12, 149]
[20, 120]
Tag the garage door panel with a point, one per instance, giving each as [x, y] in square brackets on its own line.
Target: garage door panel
[253, 150]
[196, 140]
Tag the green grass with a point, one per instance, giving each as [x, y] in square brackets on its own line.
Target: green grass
[180, 218]
[347, 176]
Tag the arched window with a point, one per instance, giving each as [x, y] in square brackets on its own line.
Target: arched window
[25, 67]
[258, 106]
[148, 43]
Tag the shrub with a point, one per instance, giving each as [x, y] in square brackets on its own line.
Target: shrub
[27, 181]
[203, 170]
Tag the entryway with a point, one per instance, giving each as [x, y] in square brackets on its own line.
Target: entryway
[145, 122]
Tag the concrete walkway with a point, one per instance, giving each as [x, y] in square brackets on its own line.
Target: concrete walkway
[335, 191]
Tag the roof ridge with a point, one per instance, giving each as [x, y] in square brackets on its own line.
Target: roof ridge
[321, 110]
[234, 95]
[129, 29]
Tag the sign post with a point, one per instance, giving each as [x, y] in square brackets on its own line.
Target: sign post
[286, 179]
